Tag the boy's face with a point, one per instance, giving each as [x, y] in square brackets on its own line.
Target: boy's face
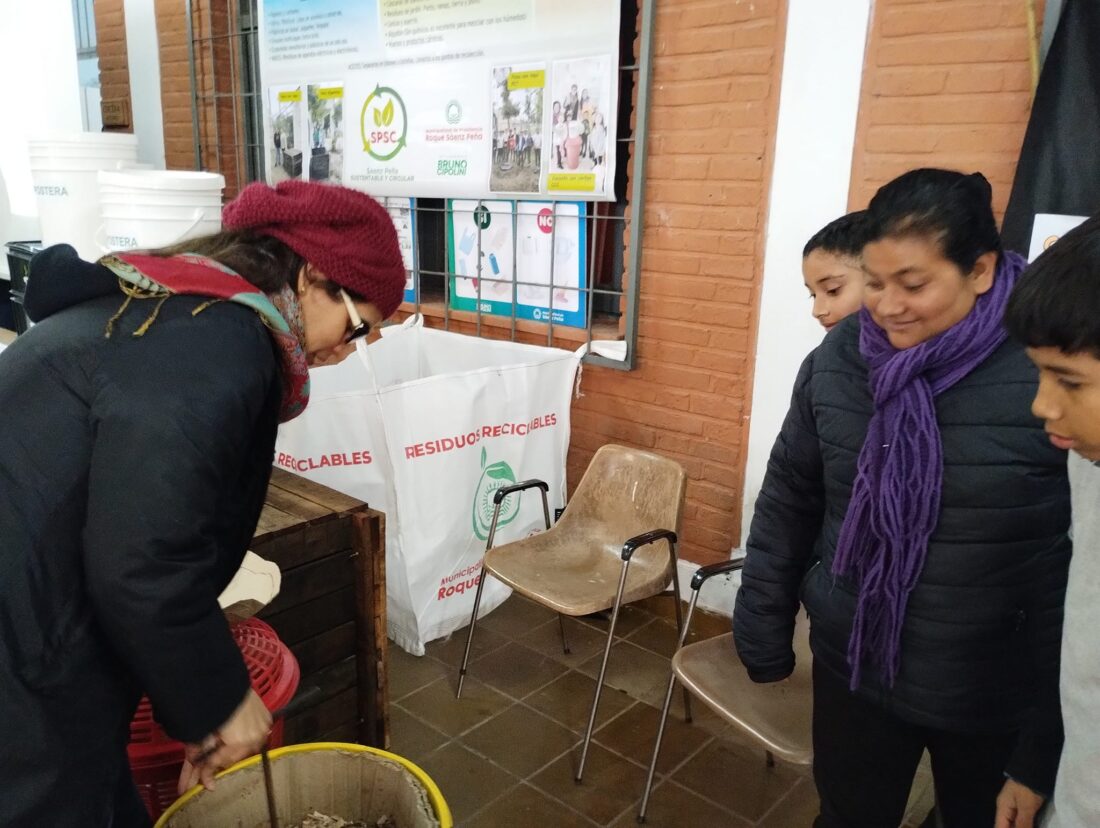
[1068, 399]
[835, 284]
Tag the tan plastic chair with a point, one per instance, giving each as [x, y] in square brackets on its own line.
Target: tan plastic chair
[778, 716]
[601, 553]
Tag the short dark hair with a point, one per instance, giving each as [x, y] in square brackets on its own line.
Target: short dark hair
[951, 207]
[1056, 302]
[844, 236]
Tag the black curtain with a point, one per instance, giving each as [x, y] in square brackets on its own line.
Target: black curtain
[1059, 169]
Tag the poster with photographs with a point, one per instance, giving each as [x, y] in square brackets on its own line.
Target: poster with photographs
[285, 133]
[579, 125]
[517, 96]
[325, 104]
[442, 100]
[480, 255]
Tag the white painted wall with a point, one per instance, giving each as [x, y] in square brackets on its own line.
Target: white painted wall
[143, 55]
[41, 92]
[818, 104]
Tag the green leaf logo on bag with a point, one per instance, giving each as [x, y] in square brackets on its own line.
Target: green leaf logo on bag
[493, 477]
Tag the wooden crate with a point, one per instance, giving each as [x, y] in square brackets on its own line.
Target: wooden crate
[331, 609]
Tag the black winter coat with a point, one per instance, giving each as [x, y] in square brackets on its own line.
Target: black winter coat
[981, 639]
[132, 474]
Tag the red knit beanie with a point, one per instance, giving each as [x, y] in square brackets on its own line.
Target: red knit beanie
[344, 233]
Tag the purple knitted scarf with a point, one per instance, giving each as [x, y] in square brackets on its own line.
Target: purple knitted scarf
[895, 501]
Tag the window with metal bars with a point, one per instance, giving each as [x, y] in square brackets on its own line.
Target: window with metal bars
[84, 28]
[599, 310]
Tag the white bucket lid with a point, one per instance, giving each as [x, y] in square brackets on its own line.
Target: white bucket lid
[166, 212]
[82, 139]
[82, 153]
[161, 180]
[160, 197]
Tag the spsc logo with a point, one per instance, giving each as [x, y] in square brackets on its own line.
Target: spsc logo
[390, 124]
[493, 477]
[454, 112]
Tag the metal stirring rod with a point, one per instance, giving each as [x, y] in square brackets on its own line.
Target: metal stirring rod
[269, 788]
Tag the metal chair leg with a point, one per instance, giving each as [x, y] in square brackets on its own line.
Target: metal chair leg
[680, 628]
[603, 670]
[668, 703]
[477, 603]
[564, 640]
[657, 745]
[470, 634]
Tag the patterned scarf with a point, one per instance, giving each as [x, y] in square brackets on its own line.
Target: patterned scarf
[895, 501]
[154, 277]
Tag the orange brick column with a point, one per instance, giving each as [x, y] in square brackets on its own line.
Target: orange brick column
[947, 85]
[114, 68]
[175, 85]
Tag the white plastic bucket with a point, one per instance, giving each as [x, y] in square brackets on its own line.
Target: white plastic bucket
[64, 170]
[155, 227]
[155, 208]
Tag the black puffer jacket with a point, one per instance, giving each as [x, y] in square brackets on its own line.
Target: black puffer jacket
[980, 644]
[132, 474]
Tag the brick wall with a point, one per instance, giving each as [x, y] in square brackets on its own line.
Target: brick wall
[217, 67]
[712, 128]
[175, 85]
[946, 83]
[114, 69]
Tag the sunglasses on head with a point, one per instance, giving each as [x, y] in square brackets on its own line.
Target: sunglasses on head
[359, 328]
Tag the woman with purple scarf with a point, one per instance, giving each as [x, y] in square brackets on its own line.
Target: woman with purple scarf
[915, 507]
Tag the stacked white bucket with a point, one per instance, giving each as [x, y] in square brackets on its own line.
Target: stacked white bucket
[92, 194]
[143, 209]
[64, 169]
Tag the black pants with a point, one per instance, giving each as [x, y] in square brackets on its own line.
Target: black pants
[865, 760]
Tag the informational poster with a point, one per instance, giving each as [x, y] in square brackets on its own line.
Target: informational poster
[1047, 229]
[443, 98]
[403, 213]
[480, 255]
[501, 256]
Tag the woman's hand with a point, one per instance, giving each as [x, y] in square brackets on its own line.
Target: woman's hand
[242, 735]
[1017, 806]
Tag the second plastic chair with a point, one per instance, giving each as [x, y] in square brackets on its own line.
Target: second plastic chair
[604, 551]
[776, 716]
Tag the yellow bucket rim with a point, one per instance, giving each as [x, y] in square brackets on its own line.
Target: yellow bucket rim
[435, 796]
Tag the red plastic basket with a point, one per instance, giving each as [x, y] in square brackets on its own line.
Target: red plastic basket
[156, 759]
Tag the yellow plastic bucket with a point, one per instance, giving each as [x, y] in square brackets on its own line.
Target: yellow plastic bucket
[336, 778]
